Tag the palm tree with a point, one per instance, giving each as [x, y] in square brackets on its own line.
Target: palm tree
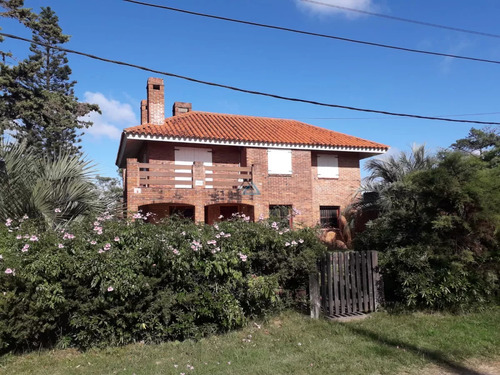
[55, 191]
[386, 175]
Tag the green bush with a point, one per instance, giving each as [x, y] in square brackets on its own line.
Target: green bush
[115, 282]
[425, 278]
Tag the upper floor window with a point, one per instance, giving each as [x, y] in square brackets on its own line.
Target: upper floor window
[279, 161]
[328, 166]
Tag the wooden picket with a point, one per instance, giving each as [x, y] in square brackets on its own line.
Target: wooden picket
[349, 282]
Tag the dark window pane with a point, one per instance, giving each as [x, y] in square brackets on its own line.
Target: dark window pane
[329, 216]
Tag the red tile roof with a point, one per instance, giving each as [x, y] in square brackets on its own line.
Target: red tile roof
[223, 127]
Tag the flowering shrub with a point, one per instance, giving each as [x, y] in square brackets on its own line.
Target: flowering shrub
[111, 282]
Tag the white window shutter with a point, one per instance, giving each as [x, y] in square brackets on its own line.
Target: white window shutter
[279, 161]
[328, 166]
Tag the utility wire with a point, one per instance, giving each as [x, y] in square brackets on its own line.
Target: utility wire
[246, 91]
[395, 18]
[392, 118]
[477, 59]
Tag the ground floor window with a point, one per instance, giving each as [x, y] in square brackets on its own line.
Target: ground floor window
[329, 216]
[281, 213]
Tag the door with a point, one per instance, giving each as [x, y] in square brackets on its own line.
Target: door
[184, 160]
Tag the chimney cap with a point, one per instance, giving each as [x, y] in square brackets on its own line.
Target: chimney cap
[181, 107]
[155, 81]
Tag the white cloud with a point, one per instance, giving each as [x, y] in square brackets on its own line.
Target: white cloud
[115, 116]
[317, 8]
[457, 49]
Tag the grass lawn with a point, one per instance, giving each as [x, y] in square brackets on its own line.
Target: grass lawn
[293, 344]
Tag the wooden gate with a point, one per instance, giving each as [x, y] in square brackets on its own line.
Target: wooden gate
[349, 282]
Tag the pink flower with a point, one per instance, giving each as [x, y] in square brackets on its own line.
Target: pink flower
[287, 244]
[176, 252]
[9, 271]
[107, 246]
[137, 216]
[117, 239]
[25, 217]
[25, 248]
[110, 289]
[33, 238]
[301, 241]
[243, 257]
[93, 242]
[8, 222]
[101, 251]
[57, 210]
[19, 237]
[60, 246]
[68, 236]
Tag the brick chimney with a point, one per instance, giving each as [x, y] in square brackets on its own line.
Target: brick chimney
[180, 107]
[155, 107]
[144, 112]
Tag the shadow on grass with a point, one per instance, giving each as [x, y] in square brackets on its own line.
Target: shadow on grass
[439, 358]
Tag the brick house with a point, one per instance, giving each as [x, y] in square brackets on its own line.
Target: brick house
[207, 166]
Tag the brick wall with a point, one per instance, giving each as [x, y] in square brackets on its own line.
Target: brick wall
[302, 189]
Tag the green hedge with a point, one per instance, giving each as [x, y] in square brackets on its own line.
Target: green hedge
[113, 282]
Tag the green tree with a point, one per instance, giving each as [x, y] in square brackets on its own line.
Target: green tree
[55, 191]
[38, 96]
[110, 192]
[484, 143]
[439, 234]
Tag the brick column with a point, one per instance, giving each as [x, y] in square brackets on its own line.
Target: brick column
[199, 191]
[133, 180]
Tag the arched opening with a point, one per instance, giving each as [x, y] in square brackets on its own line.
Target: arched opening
[159, 211]
[225, 211]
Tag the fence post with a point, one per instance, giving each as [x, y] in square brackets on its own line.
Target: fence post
[314, 295]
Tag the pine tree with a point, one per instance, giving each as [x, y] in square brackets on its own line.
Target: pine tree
[39, 93]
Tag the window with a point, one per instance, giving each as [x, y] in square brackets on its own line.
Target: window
[279, 161]
[329, 216]
[281, 213]
[328, 166]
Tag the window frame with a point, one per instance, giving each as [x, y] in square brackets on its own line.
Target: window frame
[329, 222]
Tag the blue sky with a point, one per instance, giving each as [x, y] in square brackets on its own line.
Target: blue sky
[285, 64]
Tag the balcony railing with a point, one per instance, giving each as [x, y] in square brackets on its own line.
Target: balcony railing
[222, 177]
[197, 175]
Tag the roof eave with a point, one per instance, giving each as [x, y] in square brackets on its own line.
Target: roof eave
[369, 151]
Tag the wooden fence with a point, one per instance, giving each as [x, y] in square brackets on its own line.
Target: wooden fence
[348, 284]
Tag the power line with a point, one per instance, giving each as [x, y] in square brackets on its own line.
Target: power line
[385, 118]
[246, 91]
[395, 18]
[309, 33]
